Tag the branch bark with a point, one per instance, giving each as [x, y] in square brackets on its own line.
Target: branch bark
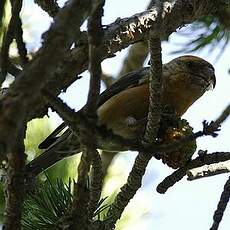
[26, 89]
[49, 6]
[209, 170]
[134, 180]
[177, 175]
[224, 199]
[14, 185]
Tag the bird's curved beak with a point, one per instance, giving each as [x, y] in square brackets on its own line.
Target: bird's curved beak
[212, 81]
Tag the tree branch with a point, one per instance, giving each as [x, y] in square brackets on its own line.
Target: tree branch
[14, 185]
[208, 170]
[129, 189]
[26, 89]
[49, 6]
[135, 177]
[155, 90]
[95, 36]
[88, 139]
[12, 30]
[177, 175]
[217, 217]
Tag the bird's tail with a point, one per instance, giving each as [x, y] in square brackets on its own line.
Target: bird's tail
[56, 152]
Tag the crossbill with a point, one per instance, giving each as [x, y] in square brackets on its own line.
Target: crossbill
[125, 104]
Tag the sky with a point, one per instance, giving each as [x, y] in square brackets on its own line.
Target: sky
[187, 205]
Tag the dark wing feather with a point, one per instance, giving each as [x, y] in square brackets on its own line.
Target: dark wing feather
[52, 137]
[129, 80]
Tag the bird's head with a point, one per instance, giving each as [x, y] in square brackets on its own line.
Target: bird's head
[187, 78]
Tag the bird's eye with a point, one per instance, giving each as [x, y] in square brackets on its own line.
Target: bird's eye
[190, 64]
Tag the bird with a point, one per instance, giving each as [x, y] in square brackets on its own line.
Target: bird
[123, 107]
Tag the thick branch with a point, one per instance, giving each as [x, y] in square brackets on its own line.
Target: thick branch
[124, 32]
[49, 6]
[26, 88]
[15, 185]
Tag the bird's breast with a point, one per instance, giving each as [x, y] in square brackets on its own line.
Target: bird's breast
[130, 103]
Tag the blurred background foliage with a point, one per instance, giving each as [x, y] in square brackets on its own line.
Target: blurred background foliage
[2, 16]
[210, 31]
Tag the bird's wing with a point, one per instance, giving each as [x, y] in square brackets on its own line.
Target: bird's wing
[129, 80]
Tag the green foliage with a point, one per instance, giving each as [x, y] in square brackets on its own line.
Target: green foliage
[4, 13]
[44, 208]
[37, 131]
[64, 169]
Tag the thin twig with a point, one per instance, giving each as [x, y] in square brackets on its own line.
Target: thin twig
[208, 170]
[96, 182]
[22, 51]
[217, 217]
[177, 175]
[78, 216]
[95, 37]
[9, 36]
[129, 189]
[209, 129]
[88, 140]
[223, 116]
